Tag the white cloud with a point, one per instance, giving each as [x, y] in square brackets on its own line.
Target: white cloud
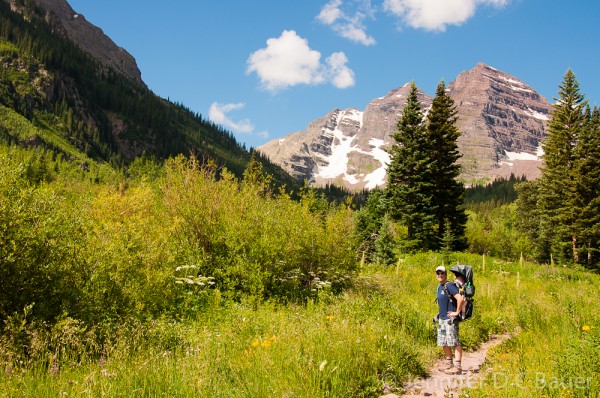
[436, 14]
[349, 27]
[330, 12]
[263, 134]
[218, 114]
[341, 76]
[289, 61]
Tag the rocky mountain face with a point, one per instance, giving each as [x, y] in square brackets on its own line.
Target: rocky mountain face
[90, 38]
[502, 121]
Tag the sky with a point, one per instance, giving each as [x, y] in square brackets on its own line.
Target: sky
[266, 68]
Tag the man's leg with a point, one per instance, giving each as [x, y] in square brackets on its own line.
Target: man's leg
[448, 352]
[454, 340]
[448, 361]
[457, 357]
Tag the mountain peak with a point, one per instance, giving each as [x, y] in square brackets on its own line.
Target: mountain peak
[89, 38]
[502, 122]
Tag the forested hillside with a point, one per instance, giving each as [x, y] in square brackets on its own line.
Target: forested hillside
[61, 90]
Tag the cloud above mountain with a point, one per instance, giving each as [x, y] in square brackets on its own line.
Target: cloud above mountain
[218, 114]
[348, 17]
[350, 26]
[288, 61]
[436, 15]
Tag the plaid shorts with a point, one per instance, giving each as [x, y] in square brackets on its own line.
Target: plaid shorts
[447, 333]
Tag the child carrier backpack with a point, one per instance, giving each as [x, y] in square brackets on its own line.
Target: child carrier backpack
[467, 290]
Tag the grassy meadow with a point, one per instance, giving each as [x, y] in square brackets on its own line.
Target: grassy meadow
[169, 281]
[378, 332]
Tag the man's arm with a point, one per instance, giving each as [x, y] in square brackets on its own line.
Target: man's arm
[459, 304]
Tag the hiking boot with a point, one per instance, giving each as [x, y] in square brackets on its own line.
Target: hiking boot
[453, 370]
[447, 364]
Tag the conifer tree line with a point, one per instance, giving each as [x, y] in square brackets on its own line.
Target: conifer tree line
[560, 212]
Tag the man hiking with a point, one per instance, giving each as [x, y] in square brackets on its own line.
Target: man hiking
[450, 303]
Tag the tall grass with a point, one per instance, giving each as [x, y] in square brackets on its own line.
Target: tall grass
[349, 345]
[91, 304]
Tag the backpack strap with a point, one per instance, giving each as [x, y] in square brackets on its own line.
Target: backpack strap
[448, 292]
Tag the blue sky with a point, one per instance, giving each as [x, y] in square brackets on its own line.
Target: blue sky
[264, 69]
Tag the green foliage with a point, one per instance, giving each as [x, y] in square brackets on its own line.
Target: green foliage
[40, 247]
[409, 186]
[101, 249]
[560, 211]
[495, 232]
[384, 244]
[447, 242]
[556, 189]
[369, 219]
[423, 192]
[499, 192]
[249, 240]
[448, 192]
[145, 168]
[587, 188]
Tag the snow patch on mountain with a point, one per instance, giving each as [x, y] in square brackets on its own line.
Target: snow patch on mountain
[354, 114]
[516, 84]
[337, 162]
[520, 156]
[378, 177]
[536, 114]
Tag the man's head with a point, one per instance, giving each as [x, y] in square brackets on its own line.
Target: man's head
[440, 273]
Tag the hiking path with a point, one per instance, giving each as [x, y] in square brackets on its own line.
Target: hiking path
[440, 384]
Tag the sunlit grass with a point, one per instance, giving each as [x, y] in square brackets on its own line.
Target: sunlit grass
[348, 345]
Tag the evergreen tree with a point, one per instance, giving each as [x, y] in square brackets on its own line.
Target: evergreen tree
[448, 192]
[409, 186]
[558, 184]
[529, 218]
[447, 242]
[368, 221]
[384, 244]
[587, 188]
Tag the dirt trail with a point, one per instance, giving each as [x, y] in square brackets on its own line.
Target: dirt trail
[439, 384]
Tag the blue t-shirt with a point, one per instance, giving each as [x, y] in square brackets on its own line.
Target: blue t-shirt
[446, 304]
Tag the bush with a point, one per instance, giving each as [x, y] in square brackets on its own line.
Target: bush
[251, 240]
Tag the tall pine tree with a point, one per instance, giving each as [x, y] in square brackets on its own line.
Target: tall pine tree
[448, 192]
[587, 188]
[558, 184]
[409, 186]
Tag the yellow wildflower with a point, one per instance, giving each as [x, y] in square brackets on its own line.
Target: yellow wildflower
[248, 352]
[586, 328]
[266, 343]
[330, 317]
[255, 343]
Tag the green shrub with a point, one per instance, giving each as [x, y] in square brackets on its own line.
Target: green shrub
[250, 239]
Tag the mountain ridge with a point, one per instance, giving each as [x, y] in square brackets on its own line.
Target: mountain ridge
[90, 38]
[502, 121]
[74, 98]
